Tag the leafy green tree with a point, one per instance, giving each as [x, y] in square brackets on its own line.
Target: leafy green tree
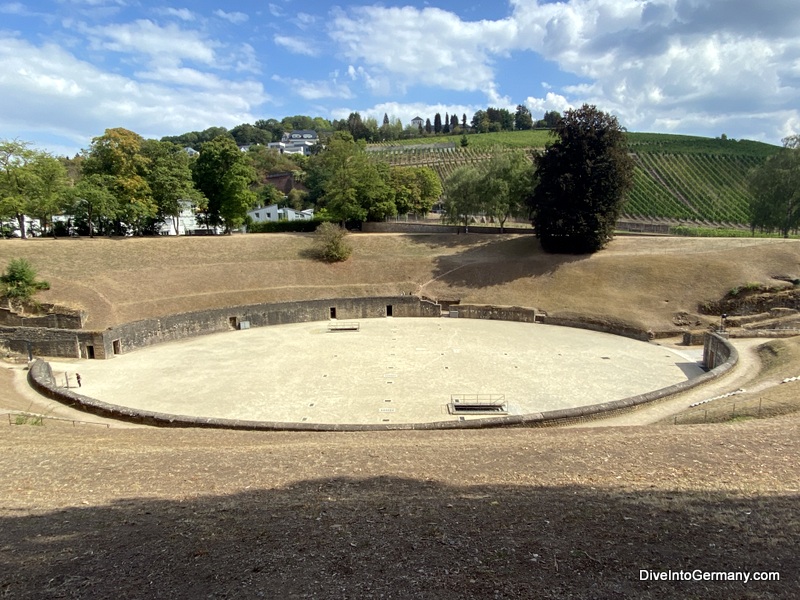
[551, 119]
[49, 189]
[348, 184]
[272, 127]
[416, 189]
[19, 282]
[428, 127]
[92, 200]
[506, 186]
[31, 183]
[775, 189]
[223, 174]
[583, 177]
[437, 123]
[169, 176]
[462, 195]
[16, 180]
[246, 134]
[117, 155]
[522, 118]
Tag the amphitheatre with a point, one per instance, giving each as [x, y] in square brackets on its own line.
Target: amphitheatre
[402, 502]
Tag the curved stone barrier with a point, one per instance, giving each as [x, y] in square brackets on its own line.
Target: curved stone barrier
[41, 378]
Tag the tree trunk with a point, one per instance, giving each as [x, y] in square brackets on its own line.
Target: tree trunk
[21, 223]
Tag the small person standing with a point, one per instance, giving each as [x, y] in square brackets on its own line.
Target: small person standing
[78, 379]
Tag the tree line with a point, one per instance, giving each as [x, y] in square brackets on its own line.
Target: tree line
[265, 131]
[775, 189]
[573, 192]
[124, 184]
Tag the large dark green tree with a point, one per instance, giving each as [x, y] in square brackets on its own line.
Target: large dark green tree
[582, 180]
[775, 189]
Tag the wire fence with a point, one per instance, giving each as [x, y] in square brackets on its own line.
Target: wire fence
[37, 420]
[736, 407]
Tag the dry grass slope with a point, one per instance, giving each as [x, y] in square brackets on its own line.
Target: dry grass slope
[644, 281]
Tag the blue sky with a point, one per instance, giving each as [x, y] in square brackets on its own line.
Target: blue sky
[69, 69]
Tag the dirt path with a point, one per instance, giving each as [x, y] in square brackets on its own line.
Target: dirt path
[745, 370]
[19, 397]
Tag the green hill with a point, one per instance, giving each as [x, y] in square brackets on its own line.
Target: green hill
[676, 177]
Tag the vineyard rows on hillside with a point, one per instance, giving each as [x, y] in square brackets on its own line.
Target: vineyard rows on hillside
[680, 178]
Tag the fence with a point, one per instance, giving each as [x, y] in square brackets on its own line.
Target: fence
[736, 407]
[23, 418]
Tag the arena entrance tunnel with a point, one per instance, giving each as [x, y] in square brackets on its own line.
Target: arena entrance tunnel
[293, 367]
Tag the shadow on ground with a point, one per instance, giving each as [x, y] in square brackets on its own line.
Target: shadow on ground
[404, 538]
[496, 261]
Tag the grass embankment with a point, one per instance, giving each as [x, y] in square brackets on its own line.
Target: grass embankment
[639, 280]
[780, 360]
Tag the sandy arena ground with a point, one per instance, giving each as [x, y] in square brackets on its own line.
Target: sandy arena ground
[390, 371]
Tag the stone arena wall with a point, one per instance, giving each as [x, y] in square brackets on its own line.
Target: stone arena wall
[719, 357]
[717, 351]
[141, 334]
[55, 317]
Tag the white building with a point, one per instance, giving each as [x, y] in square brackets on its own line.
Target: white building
[187, 222]
[273, 213]
[299, 141]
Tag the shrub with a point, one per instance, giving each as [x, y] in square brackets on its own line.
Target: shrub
[19, 281]
[330, 242]
[285, 226]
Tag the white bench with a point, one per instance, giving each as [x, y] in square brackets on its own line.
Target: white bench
[343, 326]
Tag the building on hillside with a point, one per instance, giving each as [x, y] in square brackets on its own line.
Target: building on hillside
[273, 213]
[299, 141]
[190, 151]
[418, 122]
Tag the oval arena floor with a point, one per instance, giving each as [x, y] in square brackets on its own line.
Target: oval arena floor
[392, 370]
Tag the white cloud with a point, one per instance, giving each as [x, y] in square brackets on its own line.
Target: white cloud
[47, 89]
[304, 20]
[429, 46]
[551, 102]
[313, 90]
[184, 14]
[168, 43]
[304, 46]
[663, 61]
[237, 18]
[672, 63]
[14, 8]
